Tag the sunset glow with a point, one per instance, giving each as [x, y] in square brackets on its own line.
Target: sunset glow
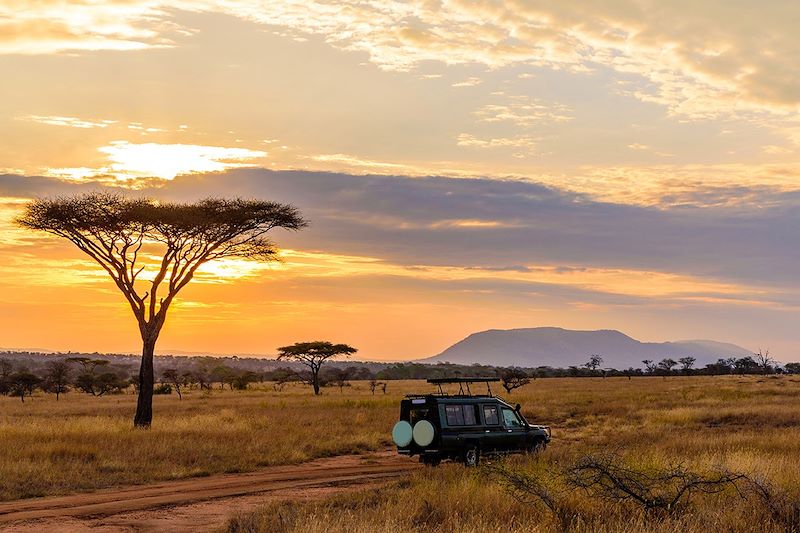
[463, 166]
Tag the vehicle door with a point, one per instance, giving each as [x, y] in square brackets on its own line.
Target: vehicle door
[493, 430]
[515, 432]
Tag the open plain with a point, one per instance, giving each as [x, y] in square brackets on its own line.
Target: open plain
[748, 425]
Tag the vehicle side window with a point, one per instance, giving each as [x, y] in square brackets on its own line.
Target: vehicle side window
[455, 415]
[490, 415]
[511, 419]
[460, 415]
[469, 415]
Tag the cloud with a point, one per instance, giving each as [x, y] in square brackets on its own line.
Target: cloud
[72, 122]
[699, 60]
[523, 111]
[469, 82]
[517, 252]
[489, 224]
[521, 141]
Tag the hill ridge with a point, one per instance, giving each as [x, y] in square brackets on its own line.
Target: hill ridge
[561, 347]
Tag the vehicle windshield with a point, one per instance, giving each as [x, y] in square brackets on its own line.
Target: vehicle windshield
[511, 418]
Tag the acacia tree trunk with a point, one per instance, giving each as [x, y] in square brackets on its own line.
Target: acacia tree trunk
[144, 403]
[315, 381]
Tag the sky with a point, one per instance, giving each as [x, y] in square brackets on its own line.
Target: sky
[464, 165]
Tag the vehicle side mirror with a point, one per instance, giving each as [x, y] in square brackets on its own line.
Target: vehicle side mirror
[517, 407]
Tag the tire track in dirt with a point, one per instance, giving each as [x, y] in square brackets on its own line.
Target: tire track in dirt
[93, 509]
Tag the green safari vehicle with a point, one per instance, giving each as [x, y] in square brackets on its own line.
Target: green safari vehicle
[464, 426]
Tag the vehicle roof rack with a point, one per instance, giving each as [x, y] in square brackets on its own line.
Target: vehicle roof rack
[463, 383]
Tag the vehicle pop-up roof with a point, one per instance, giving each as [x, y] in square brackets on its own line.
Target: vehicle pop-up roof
[463, 383]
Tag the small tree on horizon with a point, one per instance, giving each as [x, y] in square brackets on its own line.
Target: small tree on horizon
[594, 362]
[667, 364]
[121, 233]
[56, 379]
[764, 360]
[171, 376]
[23, 383]
[514, 378]
[313, 355]
[687, 363]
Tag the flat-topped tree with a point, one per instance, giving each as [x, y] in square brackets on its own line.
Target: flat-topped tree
[123, 235]
[313, 355]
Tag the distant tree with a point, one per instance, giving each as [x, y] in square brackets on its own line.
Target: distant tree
[687, 363]
[792, 368]
[56, 378]
[649, 365]
[594, 362]
[222, 374]
[171, 376]
[341, 377]
[746, 365]
[113, 230]
[721, 367]
[162, 389]
[667, 364]
[6, 369]
[100, 384]
[764, 360]
[513, 378]
[87, 363]
[313, 355]
[23, 383]
[281, 376]
[242, 380]
[373, 384]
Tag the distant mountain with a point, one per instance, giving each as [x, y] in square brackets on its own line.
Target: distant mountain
[557, 347]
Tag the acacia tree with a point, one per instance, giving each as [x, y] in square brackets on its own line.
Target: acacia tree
[171, 376]
[514, 378]
[121, 233]
[22, 383]
[687, 363]
[56, 378]
[313, 355]
[594, 362]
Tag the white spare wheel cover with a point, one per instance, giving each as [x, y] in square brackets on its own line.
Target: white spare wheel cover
[423, 433]
[401, 434]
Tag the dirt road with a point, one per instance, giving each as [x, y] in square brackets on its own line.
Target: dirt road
[198, 504]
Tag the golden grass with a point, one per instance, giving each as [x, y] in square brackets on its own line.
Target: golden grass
[749, 425]
[82, 442]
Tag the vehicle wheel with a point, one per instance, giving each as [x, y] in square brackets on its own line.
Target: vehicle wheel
[430, 460]
[539, 445]
[472, 457]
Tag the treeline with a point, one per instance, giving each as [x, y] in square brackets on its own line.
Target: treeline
[100, 376]
[759, 363]
[23, 374]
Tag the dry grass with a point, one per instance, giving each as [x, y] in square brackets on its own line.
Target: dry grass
[749, 425]
[82, 442]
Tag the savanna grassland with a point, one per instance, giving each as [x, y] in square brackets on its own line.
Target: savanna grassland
[746, 425]
[703, 425]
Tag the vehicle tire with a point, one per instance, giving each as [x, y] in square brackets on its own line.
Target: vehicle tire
[472, 457]
[430, 460]
[538, 446]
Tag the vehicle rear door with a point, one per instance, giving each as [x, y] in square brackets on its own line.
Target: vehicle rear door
[493, 430]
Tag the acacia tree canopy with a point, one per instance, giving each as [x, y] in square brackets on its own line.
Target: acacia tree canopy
[123, 234]
[313, 354]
